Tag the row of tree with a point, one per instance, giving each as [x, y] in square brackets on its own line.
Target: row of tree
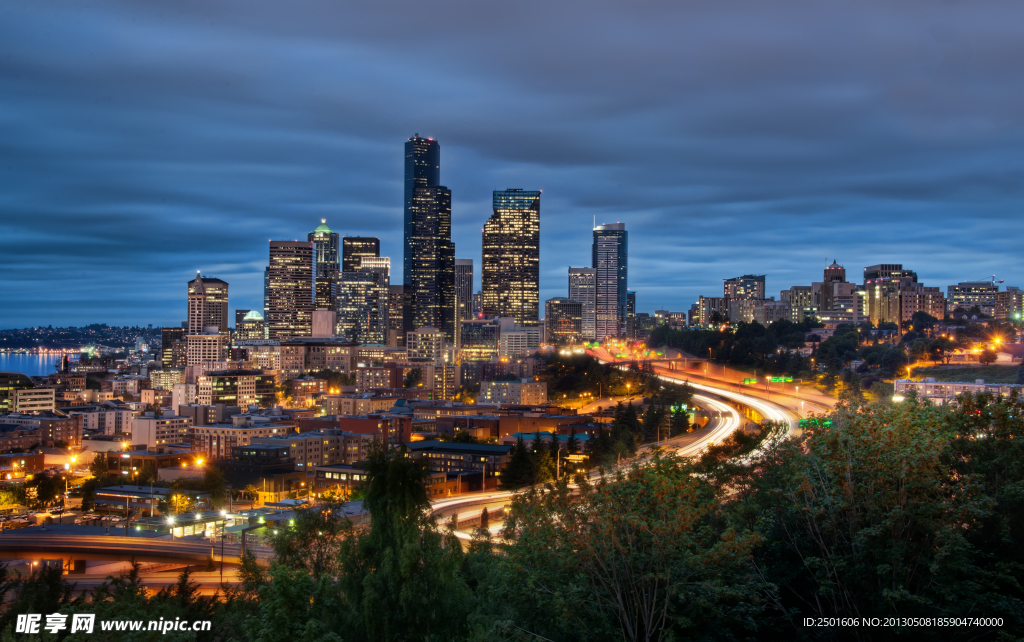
[887, 511]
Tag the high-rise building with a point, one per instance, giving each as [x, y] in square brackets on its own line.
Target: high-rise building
[609, 256]
[362, 307]
[173, 347]
[239, 315]
[583, 288]
[563, 321]
[289, 295]
[252, 326]
[206, 346]
[425, 343]
[967, 294]
[510, 270]
[207, 305]
[398, 311]
[464, 289]
[745, 288]
[894, 295]
[432, 288]
[1009, 304]
[422, 169]
[355, 248]
[325, 264]
[630, 314]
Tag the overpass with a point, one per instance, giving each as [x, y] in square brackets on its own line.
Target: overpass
[35, 544]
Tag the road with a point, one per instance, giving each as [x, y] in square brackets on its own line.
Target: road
[724, 420]
[789, 396]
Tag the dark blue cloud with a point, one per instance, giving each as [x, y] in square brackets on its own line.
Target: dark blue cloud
[142, 141]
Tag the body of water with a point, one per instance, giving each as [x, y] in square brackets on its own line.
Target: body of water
[33, 365]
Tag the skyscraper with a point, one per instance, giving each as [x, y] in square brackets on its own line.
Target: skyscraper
[510, 269]
[354, 248]
[362, 307]
[464, 288]
[432, 295]
[289, 290]
[609, 255]
[428, 272]
[563, 320]
[422, 169]
[583, 289]
[207, 304]
[325, 259]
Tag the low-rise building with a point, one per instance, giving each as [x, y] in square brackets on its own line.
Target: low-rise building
[107, 417]
[217, 440]
[337, 478]
[149, 431]
[237, 388]
[53, 429]
[945, 391]
[322, 448]
[355, 404]
[34, 400]
[386, 376]
[18, 465]
[448, 457]
[523, 392]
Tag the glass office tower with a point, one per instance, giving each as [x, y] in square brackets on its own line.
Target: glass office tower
[510, 269]
[609, 255]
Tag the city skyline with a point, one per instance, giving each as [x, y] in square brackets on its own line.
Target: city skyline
[744, 159]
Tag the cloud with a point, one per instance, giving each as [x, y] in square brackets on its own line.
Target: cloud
[142, 141]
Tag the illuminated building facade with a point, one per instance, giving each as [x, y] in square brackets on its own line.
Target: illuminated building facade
[173, 347]
[563, 321]
[355, 248]
[464, 289]
[325, 264]
[609, 255]
[289, 290]
[252, 326]
[583, 288]
[432, 294]
[362, 307]
[744, 288]
[510, 270]
[207, 305]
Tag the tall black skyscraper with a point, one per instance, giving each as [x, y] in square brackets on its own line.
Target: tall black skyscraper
[422, 169]
[433, 270]
[429, 260]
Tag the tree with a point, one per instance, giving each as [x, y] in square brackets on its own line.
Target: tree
[942, 348]
[485, 521]
[312, 541]
[679, 422]
[402, 577]
[643, 556]
[519, 469]
[987, 357]
[572, 445]
[413, 379]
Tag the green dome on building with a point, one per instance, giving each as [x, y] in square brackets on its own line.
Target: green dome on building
[322, 228]
[252, 315]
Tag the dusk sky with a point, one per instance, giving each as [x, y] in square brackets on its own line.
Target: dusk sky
[141, 141]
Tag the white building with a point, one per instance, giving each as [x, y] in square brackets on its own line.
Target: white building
[945, 391]
[425, 343]
[525, 392]
[160, 431]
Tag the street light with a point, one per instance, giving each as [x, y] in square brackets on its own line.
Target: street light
[170, 524]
